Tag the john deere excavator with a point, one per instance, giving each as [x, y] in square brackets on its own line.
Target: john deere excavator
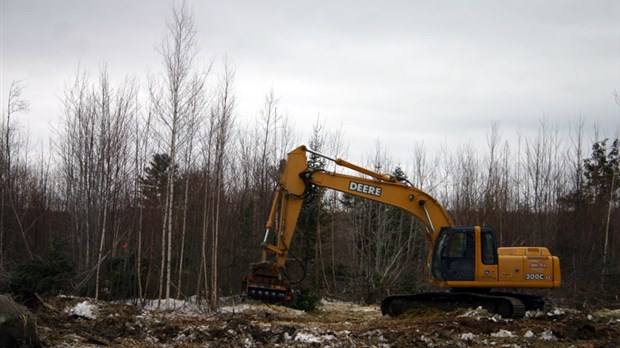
[463, 259]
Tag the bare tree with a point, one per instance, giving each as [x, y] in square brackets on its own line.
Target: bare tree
[614, 158]
[544, 173]
[467, 185]
[174, 97]
[222, 118]
[266, 141]
[492, 180]
[141, 142]
[15, 104]
[94, 153]
[189, 158]
[76, 152]
[384, 242]
[117, 109]
[334, 145]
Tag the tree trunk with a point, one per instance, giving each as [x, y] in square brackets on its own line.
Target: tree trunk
[608, 219]
[183, 230]
[100, 253]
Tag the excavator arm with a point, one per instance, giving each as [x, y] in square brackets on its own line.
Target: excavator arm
[297, 182]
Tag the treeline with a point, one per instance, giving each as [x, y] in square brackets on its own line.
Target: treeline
[161, 192]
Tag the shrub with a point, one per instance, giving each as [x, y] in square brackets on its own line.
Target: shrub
[48, 275]
[305, 300]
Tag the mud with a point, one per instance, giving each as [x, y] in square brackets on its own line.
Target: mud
[336, 324]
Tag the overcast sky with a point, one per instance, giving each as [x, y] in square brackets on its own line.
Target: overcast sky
[397, 72]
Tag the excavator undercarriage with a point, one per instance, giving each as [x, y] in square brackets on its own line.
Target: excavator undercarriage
[507, 305]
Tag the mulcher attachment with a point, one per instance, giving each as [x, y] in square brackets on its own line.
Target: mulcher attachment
[266, 284]
[266, 289]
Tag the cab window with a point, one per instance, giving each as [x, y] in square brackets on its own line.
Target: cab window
[459, 245]
[489, 250]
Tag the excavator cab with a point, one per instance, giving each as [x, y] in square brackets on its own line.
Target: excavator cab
[454, 257]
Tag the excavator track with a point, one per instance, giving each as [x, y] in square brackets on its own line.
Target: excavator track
[531, 302]
[505, 306]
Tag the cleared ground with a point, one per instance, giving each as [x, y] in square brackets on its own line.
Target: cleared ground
[75, 322]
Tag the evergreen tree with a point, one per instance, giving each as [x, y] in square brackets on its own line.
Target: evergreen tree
[312, 213]
[591, 216]
[156, 180]
[602, 172]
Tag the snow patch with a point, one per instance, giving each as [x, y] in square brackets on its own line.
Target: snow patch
[179, 306]
[612, 316]
[152, 340]
[237, 308]
[248, 307]
[429, 342]
[477, 313]
[547, 335]
[183, 337]
[84, 309]
[480, 313]
[487, 343]
[534, 314]
[331, 304]
[247, 343]
[308, 337]
[556, 312]
[467, 336]
[495, 318]
[503, 333]
[528, 334]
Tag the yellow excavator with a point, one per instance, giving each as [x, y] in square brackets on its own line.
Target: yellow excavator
[463, 259]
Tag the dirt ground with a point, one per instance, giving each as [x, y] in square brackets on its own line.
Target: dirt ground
[79, 322]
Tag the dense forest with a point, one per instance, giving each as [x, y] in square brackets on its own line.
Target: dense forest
[162, 192]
